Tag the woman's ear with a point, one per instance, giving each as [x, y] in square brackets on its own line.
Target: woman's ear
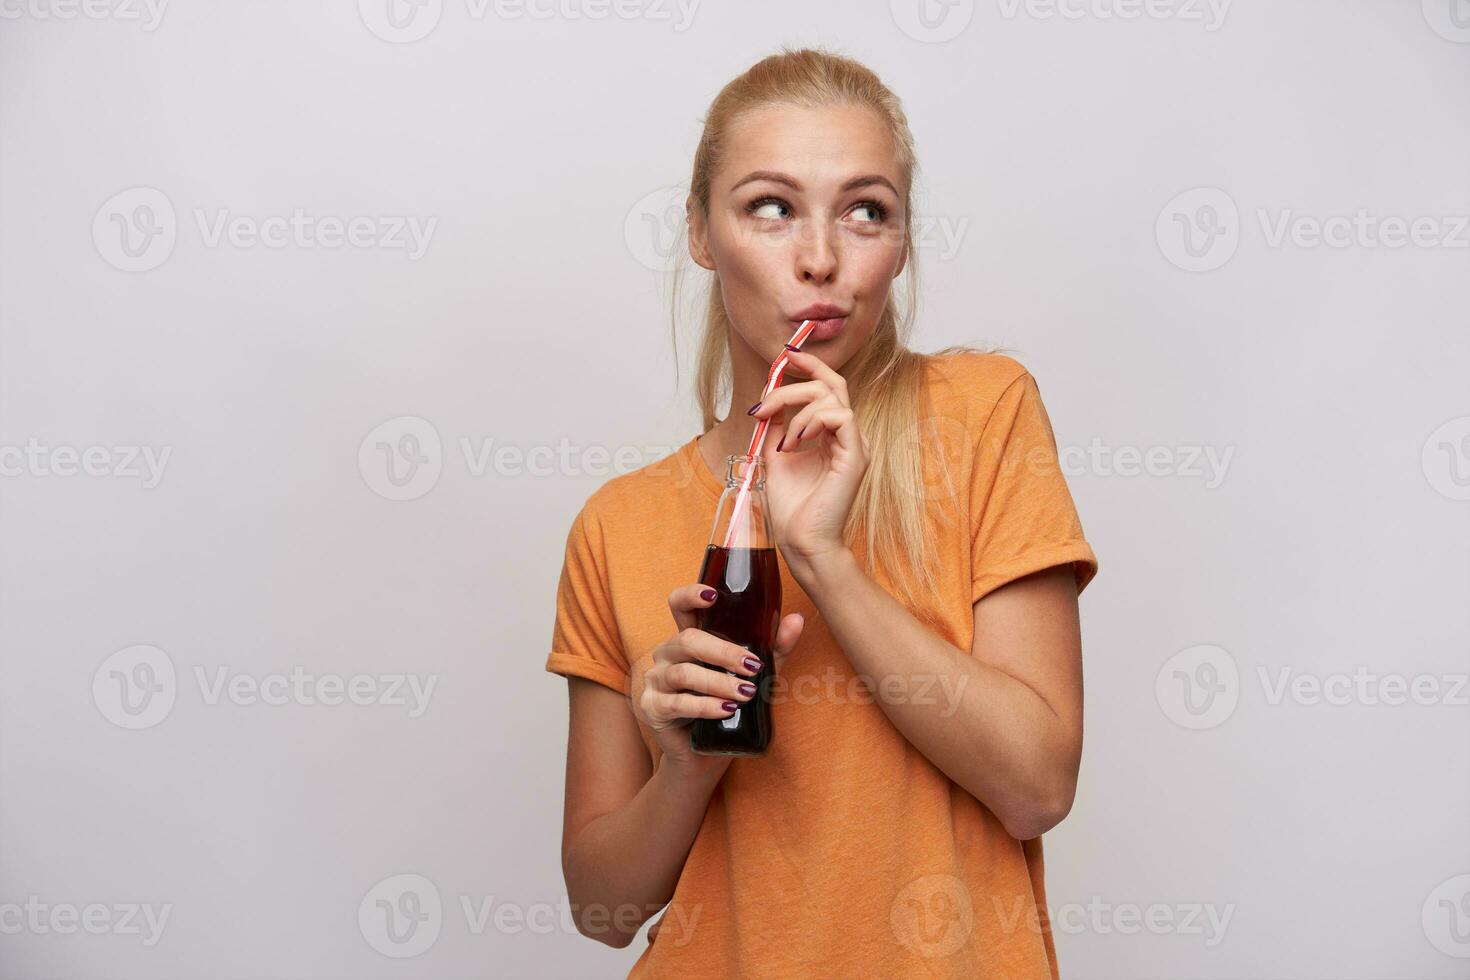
[698, 235]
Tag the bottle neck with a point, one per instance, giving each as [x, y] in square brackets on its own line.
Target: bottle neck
[739, 468]
[742, 519]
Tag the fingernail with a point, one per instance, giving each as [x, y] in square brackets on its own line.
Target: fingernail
[746, 689]
[790, 348]
[752, 663]
[708, 595]
[752, 409]
[779, 443]
[729, 705]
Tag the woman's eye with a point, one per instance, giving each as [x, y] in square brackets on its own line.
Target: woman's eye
[768, 207]
[775, 209]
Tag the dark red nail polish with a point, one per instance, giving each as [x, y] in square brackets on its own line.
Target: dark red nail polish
[753, 408]
[708, 595]
[729, 705]
[746, 689]
[789, 347]
[779, 443]
[751, 663]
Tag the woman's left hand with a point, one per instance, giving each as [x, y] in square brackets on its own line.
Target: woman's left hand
[813, 478]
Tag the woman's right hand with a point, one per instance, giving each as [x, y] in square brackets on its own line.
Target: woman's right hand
[678, 689]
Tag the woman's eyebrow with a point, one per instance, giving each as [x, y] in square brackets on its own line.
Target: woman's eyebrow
[865, 180]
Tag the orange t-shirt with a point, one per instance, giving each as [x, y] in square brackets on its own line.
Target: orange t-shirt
[842, 852]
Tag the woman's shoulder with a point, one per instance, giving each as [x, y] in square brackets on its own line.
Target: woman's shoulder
[635, 492]
[970, 378]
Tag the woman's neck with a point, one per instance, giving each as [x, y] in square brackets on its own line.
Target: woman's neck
[731, 436]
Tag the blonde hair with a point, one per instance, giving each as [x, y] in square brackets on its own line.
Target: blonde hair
[887, 525]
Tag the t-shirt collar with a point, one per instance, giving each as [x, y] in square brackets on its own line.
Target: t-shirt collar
[694, 459]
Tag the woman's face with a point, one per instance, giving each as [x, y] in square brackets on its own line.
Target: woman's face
[806, 210]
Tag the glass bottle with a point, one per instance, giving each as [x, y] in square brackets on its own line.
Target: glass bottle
[741, 566]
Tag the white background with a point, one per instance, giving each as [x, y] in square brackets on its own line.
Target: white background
[1054, 144]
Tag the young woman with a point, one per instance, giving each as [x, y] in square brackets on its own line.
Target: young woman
[929, 725]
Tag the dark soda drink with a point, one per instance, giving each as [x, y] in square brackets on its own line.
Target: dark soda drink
[746, 613]
[740, 565]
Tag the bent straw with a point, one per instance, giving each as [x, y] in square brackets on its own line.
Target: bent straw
[758, 439]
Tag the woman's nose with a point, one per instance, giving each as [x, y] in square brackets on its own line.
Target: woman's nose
[816, 259]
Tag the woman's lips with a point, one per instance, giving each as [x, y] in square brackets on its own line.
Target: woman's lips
[824, 329]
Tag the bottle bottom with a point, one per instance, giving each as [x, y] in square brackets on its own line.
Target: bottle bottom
[745, 733]
[743, 753]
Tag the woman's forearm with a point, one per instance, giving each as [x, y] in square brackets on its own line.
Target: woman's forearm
[622, 867]
[984, 729]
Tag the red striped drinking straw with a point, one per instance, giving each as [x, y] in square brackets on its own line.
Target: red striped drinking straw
[758, 440]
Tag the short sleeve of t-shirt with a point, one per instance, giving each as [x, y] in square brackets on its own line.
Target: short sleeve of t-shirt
[1021, 512]
[584, 638]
